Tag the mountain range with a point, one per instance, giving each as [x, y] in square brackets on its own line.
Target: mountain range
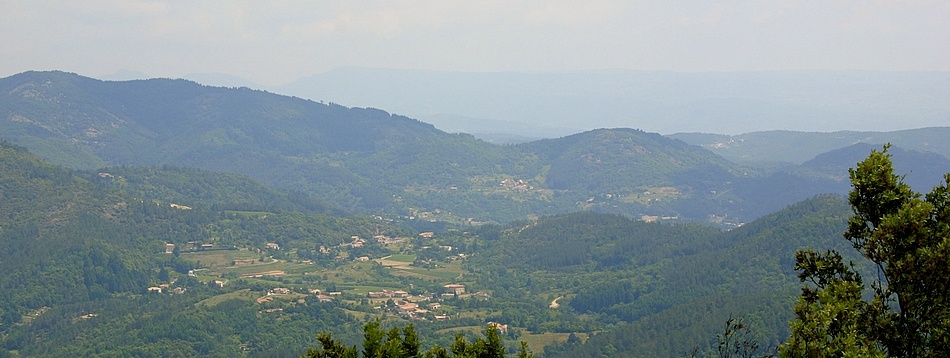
[771, 147]
[166, 218]
[80, 248]
[366, 159]
[666, 102]
[511, 107]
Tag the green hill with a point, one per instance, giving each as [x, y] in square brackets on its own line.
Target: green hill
[63, 240]
[366, 160]
[671, 288]
[797, 147]
[924, 170]
[205, 189]
[357, 159]
[609, 160]
[80, 250]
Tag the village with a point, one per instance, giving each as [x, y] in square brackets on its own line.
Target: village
[387, 285]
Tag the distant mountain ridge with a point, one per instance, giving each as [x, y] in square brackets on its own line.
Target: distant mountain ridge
[655, 101]
[83, 245]
[351, 157]
[798, 147]
[367, 160]
[81, 250]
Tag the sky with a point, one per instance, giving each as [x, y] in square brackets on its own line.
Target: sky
[277, 42]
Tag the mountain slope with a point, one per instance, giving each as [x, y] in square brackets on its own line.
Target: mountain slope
[828, 173]
[369, 161]
[78, 251]
[798, 147]
[205, 189]
[357, 159]
[607, 160]
[283, 141]
[658, 101]
[672, 303]
[79, 248]
[924, 170]
[61, 240]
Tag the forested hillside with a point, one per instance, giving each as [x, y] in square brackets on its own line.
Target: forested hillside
[770, 147]
[79, 253]
[369, 161]
[667, 308]
[177, 262]
[660, 286]
[206, 189]
[62, 240]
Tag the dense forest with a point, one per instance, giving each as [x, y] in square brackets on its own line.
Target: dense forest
[165, 218]
[82, 249]
[369, 161]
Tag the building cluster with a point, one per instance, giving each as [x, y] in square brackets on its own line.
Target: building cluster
[516, 184]
[417, 307]
[388, 294]
[166, 288]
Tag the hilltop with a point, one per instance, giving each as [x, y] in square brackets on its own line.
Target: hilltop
[358, 159]
[365, 160]
[138, 261]
[795, 147]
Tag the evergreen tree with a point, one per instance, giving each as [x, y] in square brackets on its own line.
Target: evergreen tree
[908, 238]
[407, 345]
[330, 348]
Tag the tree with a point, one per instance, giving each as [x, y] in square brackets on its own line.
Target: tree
[372, 339]
[410, 341]
[736, 340]
[331, 348]
[907, 238]
[489, 347]
[523, 352]
[392, 344]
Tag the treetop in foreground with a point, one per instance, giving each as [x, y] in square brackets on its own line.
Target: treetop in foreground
[404, 343]
[906, 235]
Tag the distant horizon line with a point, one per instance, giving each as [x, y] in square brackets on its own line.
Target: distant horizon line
[124, 74]
[568, 131]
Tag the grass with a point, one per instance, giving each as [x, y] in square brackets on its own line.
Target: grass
[256, 214]
[360, 315]
[362, 290]
[536, 342]
[244, 294]
[655, 194]
[219, 258]
[478, 330]
[401, 258]
[445, 274]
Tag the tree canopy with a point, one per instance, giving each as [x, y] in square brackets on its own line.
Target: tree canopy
[404, 343]
[906, 235]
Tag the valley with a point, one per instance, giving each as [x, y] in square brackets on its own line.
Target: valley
[166, 218]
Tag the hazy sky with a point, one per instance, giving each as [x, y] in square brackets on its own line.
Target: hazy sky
[274, 42]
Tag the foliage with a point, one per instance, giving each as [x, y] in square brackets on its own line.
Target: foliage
[205, 189]
[366, 160]
[661, 307]
[736, 340]
[907, 238]
[404, 343]
[78, 254]
[79, 250]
